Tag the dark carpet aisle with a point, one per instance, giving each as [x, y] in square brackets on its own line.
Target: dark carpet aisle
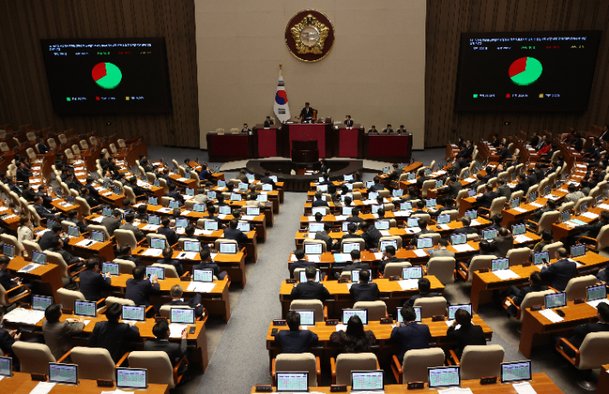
[240, 359]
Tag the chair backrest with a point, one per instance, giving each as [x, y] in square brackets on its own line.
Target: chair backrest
[30, 246]
[117, 300]
[129, 194]
[546, 221]
[57, 259]
[552, 248]
[12, 240]
[67, 297]
[533, 298]
[121, 143]
[31, 154]
[395, 269]
[566, 206]
[594, 350]
[428, 184]
[316, 305]
[442, 268]
[286, 362]
[347, 362]
[576, 287]
[93, 363]
[478, 361]
[160, 370]
[416, 362]
[376, 309]
[33, 357]
[602, 239]
[170, 270]
[125, 238]
[582, 201]
[99, 227]
[497, 205]
[125, 266]
[84, 145]
[478, 263]
[519, 256]
[432, 306]
[52, 143]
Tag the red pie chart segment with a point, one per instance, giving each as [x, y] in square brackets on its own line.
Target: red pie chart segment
[518, 66]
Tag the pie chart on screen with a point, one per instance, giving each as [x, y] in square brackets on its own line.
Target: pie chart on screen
[525, 71]
[107, 75]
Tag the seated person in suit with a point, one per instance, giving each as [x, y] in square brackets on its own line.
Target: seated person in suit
[113, 222]
[364, 290]
[377, 185]
[518, 293]
[388, 129]
[467, 228]
[487, 197]
[388, 257]
[161, 342]
[410, 334]
[57, 247]
[169, 260]
[355, 216]
[208, 263]
[176, 293]
[371, 235]
[584, 329]
[93, 285]
[245, 128]
[169, 233]
[574, 195]
[354, 339]
[116, 337]
[546, 239]
[441, 249]
[124, 253]
[504, 241]
[351, 230]
[232, 232]
[319, 201]
[139, 234]
[301, 261]
[139, 288]
[424, 291]
[6, 278]
[310, 290]
[295, 340]
[268, 122]
[462, 332]
[423, 226]
[356, 262]
[325, 236]
[48, 238]
[558, 274]
[58, 335]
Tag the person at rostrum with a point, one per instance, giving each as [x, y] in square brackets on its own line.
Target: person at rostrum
[112, 335]
[409, 334]
[364, 290]
[310, 290]
[354, 339]
[462, 332]
[139, 288]
[295, 340]
[306, 113]
[93, 284]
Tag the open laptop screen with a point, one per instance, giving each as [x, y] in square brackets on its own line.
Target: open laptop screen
[134, 313]
[63, 373]
[131, 378]
[443, 376]
[40, 302]
[6, 366]
[555, 300]
[85, 308]
[452, 309]
[293, 382]
[515, 371]
[362, 313]
[367, 380]
[109, 267]
[203, 275]
[597, 292]
[307, 317]
[182, 315]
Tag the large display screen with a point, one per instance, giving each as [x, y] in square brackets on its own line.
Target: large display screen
[538, 71]
[107, 76]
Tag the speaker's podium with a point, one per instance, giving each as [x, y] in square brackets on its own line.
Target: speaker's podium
[304, 153]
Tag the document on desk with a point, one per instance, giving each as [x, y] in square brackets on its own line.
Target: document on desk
[200, 287]
[165, 210]
[185, 212]
[385, 233]
[595, 303]
[340, 218]
[24, 316]
[603, 206]
[506, 274]
[551, 315]
[590, 215]
[151, 227]
[222, 216]
[117, 391]
[524, 388]
[409, 284]
[29, 267]
[314, 258]
[153, 252]
[413, 230]
[247, 217]
[341, 327]
[520, 239]
[86, 243]
[455, 390]
[536, 204]
[444, 226]
[420, 252]
[42, 388]
[378, 255]
[519, 209]
[470, 180]
[187, 255]
[475, 222]
[463, 248]
[175, 329]
[402, 214]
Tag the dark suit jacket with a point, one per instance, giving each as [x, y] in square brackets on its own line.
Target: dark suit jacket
[410, 336]
[139, 291]
[310, 291]
[58, 336]
[111, 223]
[299, 264]
[299, 341]
[93, 284]
[558, 274]
[236, 234]
[139, 234]
[319, 203]
[116, 337]
[176, 263]
[486, 199]
[349, 122]
[364, 292]
[372, 237]
[584, 329]
[169, 233]
[6, 280]
[174, 351]
[210, 265]
[324, 237]
[465, 335]
[306, 113]
[504, 244]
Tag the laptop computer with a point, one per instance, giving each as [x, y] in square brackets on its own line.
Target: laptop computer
[500, 264]
[519, 229]
[158, 271]
[458, 239]
[134, 313]
[224, 210]
[489, 234]
[367, 381]
[443, 219]
[386, 243]
[313, 248]
[73, 231]
[355, 276]
[97, 236]
[292, 382]
[302, 277]
[157, 243]
[349, 246]
[578, 250]
[382, 224]
[444, 377]
[192, 246]
[85, 308]
[181, 222]
[6, 366]
[417, 311]
[227, 248]
[412, 222]
[8, 250]
[111, 268]
[541, 257]
[182, 315]
[153, 201]
[244, 226]
[555, 300]
[316, 227]
[307, 316]
[131, 378]
[415, 272]
[41, 302]
[361, 313]
[39, 257]
[63, 373]
[515, 371]
[210, 225]
[154, 220]
[423, 243]
[204, 275]
[452, 309]
[596, 292]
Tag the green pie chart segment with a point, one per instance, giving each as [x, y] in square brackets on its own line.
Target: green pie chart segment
[525, 71]
[107, 75]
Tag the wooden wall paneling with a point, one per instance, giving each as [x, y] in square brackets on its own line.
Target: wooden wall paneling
[24, 95]
[446, 19]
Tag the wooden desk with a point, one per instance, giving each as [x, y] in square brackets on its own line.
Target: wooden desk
[216, 301]
[541, 383]
[484, 283]
[22, 383]
[9, 218]
[391, 292]
[105, 250]
[537, 330]
[63, 205]
[48, 275]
